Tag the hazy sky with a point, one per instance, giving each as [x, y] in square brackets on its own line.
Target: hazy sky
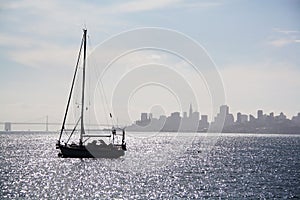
[255, 45]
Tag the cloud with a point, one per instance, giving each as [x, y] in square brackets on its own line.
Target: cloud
[145, 5]
[93, 8]
[282, 42]
[285, 31]
[37, 30]
[201, 4]
[37, 53]
[45, 56]
[43, 34]
[283, 38]
[138, 6]
[14, 41]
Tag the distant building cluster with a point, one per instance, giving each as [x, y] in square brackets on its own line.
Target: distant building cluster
[224, 121]
[264, 123]
[190, 122]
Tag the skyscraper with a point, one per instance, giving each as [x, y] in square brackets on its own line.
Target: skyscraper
[259, 114]
[191, 111]
[238, 117]
[224, 110]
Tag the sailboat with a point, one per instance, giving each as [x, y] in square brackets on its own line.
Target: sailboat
[84, 148]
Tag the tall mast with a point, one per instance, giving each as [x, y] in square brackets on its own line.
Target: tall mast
[71, 91]
[83, 85]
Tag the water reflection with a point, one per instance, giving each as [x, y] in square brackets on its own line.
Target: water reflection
[237, 167]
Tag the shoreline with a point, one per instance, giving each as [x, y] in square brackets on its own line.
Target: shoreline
[162, 132]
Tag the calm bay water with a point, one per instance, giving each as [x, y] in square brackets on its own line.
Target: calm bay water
[160, 166]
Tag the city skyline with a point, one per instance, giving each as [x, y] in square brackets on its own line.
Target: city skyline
[192, 122]
[254, 45]
[149, 87]
[197, 119]
[259, 112]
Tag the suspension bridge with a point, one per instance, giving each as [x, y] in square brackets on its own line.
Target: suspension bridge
[39, 124]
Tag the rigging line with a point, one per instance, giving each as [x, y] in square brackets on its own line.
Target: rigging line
[89, 83]
[83, 87]
[76, 94]
[71, 91]
[86, 140]
[94, 68]
[65, 132]
[103, 105]
[102, 94]
[105, 98]
[74, 129]
[106, 102]
[106, 111]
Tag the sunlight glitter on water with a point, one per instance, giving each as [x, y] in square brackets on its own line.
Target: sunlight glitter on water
[238, 166]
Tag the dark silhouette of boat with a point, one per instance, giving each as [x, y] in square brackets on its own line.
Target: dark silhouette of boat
[84, 148]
